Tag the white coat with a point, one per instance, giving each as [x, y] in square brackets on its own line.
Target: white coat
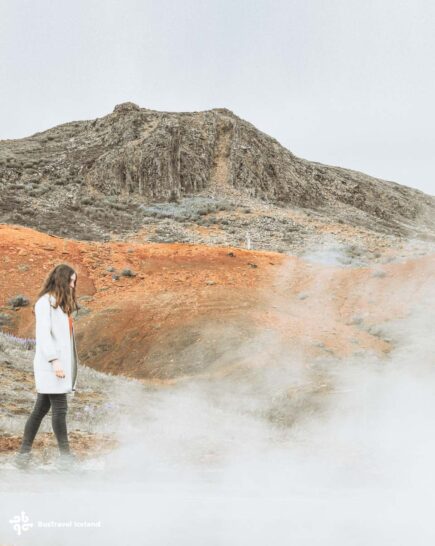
[53, 340]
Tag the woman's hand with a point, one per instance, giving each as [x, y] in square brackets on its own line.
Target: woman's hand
[58, 368]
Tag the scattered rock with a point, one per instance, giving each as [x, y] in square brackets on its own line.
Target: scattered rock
[19, 301]
[128, 273]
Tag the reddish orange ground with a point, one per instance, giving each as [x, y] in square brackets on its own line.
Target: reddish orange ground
[143, 326]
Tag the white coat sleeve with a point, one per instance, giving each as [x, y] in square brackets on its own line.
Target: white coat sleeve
[44, 337]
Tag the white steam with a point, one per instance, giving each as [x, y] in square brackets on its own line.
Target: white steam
[339, 452]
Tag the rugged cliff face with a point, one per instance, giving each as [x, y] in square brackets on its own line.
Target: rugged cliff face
[135, 156]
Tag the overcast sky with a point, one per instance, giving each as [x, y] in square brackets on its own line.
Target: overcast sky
[342, 82]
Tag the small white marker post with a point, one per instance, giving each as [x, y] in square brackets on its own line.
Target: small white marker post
[248, 241]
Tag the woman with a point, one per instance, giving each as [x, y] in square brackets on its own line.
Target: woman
[55, 364]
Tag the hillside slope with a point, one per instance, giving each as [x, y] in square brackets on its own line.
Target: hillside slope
[186, 311]
[105, 173]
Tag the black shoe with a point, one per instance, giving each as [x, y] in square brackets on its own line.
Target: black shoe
[23, 460]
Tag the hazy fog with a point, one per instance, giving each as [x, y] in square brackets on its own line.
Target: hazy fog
[201, 462]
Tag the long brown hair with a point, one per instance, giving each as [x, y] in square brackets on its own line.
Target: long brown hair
[57, 283]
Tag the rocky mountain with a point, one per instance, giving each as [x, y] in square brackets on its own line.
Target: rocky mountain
[136, 169]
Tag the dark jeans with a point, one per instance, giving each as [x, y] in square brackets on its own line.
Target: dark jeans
[59, 407]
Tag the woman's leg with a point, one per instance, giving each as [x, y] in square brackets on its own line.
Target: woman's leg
[40, 409]
[59, 407]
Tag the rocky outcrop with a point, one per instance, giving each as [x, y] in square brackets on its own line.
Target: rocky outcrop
[150, 156]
